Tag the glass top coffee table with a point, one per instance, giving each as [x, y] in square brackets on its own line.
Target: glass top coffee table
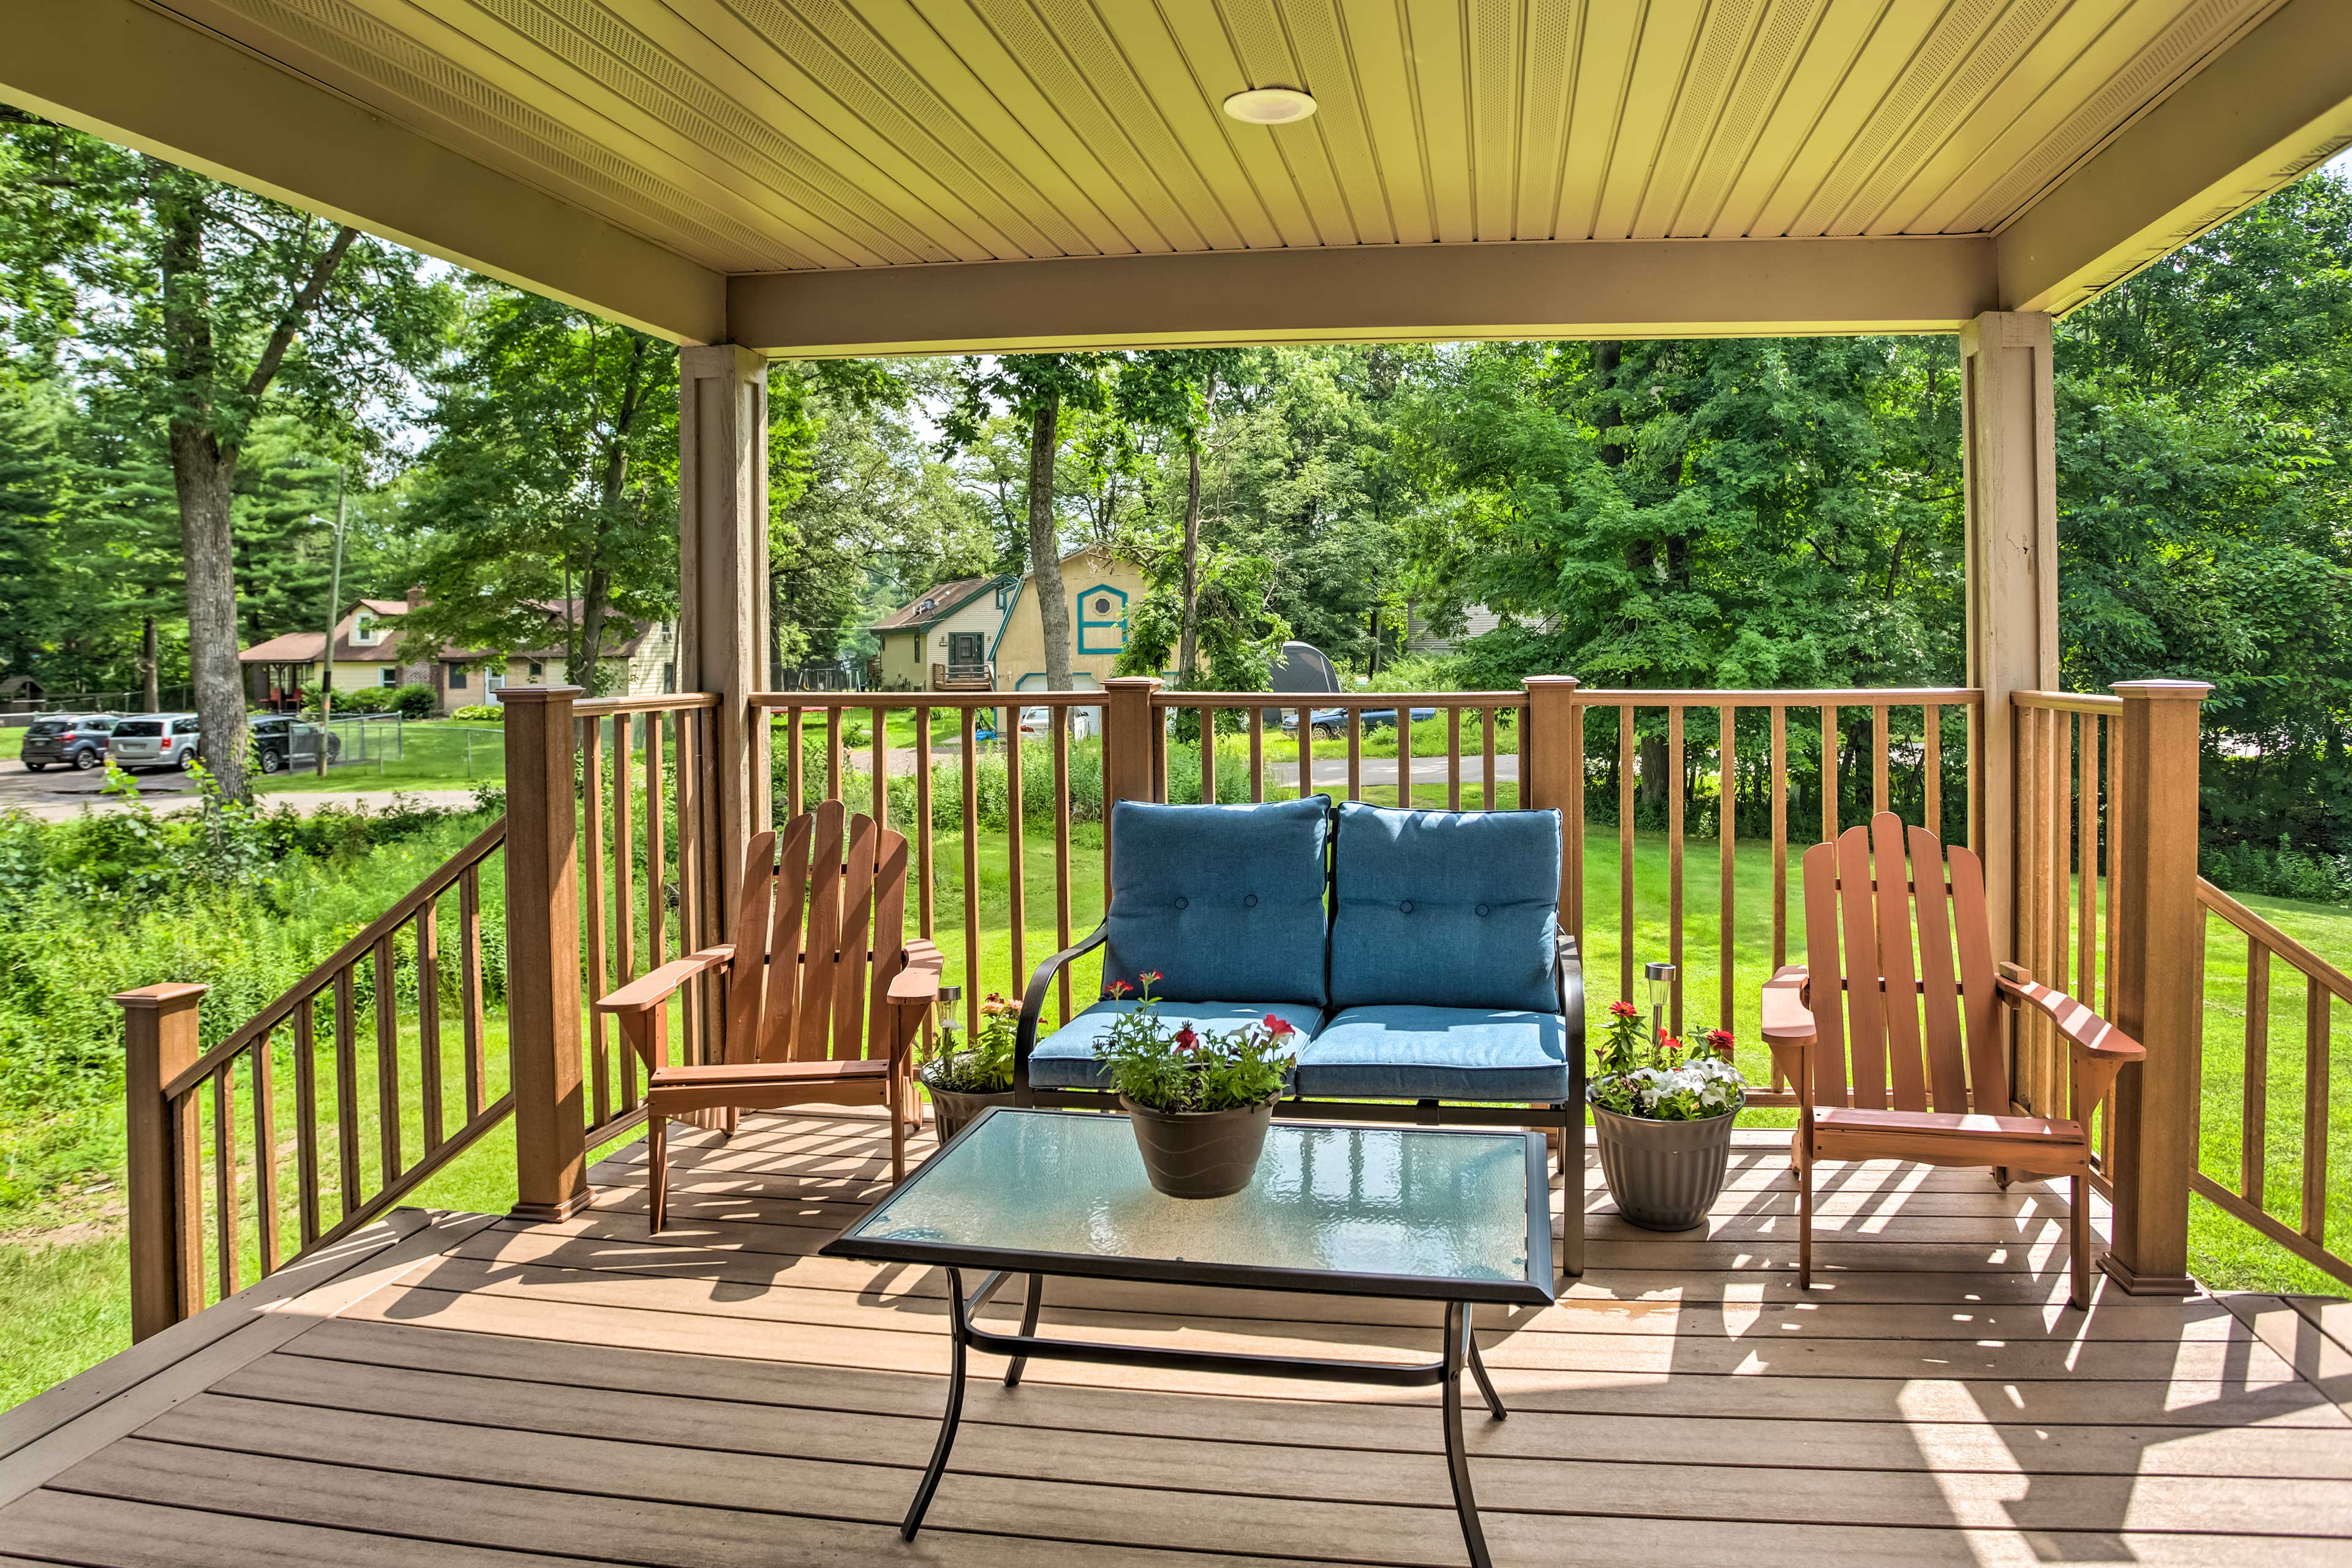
[1458, 1216]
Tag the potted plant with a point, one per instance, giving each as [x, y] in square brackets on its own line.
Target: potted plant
[1200, 1102]
[1663, 1114]
[968, 1077]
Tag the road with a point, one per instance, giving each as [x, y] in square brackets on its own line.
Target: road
[57, 795]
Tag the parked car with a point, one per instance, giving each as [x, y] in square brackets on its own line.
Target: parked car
[1332, 722]
[77, 741]
[1037, 724]
[154, 740]
[281, 742]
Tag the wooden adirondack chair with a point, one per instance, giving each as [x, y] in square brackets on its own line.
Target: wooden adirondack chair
[1866, 1073]
[816, 1014]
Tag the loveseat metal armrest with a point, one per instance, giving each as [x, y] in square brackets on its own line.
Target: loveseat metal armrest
[1032, 1008]
[1569, 965]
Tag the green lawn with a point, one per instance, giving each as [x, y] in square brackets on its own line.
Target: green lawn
[435, 754]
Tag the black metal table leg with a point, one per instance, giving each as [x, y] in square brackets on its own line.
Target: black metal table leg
[1459, 1349]
[1028, 1328]
[957, 1334]
[1478, 1369]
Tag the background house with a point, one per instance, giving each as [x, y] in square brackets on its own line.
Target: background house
[640, 658]
[984, 634]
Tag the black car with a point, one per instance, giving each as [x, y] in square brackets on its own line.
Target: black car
[75, 741]
[281, 742]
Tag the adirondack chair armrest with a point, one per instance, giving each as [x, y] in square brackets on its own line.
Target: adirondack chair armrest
[1788, 1025]
[2087, 1032]
[918, 984]
[651, 989]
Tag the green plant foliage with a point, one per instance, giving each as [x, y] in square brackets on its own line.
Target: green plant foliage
[983, 1065]
[479, 713]
[1185, 1068]
[1659, 1079]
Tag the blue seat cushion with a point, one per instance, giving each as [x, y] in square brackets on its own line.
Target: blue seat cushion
[1437, 1053]
[1447, 909]
[1222, 900]
[1065, 1059]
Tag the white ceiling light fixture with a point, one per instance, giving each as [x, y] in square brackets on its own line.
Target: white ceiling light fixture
[1270, 106]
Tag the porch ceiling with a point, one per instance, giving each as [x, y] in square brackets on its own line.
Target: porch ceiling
[891, 175]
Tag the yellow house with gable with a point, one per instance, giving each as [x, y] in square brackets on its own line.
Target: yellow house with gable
[984, 634]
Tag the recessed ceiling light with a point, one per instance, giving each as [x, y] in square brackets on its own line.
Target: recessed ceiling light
[1270, 106]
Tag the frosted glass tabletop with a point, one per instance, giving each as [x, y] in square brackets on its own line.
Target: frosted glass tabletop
[1392, 1211]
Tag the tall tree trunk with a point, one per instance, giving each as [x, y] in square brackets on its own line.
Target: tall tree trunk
[1188, 645]
[202, 469]
[1046, 544]
[595, 598]
[1651, 782]
[149, 693]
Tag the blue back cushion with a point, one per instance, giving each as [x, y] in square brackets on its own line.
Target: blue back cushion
[1226, 901]
[1445, 909]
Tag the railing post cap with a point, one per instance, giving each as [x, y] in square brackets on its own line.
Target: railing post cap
[536, 693]
[1568, 682]
[1125, 683]
[160, 995]
[2172, 691]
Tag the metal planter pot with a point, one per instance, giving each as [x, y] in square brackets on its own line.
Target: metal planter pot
[1664, 1175]
[1200, 1153]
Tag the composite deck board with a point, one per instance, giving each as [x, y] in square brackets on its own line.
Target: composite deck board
[527, 1393]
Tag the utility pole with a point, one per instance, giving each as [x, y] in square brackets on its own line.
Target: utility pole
[334, 614]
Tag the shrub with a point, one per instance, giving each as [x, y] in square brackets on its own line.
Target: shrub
[414, 701]
[2286, 872]
[480, 713]
[360, 700]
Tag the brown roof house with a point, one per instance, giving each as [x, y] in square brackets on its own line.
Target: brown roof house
[640, 658]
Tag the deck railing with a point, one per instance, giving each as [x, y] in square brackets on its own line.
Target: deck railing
[370, 1120]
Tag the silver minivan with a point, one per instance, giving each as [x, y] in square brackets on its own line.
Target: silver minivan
[154, 740]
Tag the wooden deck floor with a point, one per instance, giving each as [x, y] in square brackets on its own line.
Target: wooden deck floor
[462, 1390]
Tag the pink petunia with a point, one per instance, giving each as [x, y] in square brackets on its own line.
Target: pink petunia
[1623, 1010]
[1280, 1028]
[1186, 1039]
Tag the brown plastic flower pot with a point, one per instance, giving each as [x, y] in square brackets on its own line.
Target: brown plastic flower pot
[1200, 1153]
[1664, 1175]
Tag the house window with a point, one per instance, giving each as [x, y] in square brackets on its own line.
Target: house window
[388, 676]
[1102, 619]
[457, 678]
[364, 629]
[537, 670]
[669, 678]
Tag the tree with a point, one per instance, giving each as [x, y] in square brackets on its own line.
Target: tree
[1037, 388]
[1176, 390]
[550, 483]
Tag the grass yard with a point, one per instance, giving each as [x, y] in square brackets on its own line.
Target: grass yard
[435, 754]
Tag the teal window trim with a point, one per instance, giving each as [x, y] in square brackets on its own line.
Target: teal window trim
[1090, 623]
[1005, 625]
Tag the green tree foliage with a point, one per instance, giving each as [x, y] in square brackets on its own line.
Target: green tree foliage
[550, 486]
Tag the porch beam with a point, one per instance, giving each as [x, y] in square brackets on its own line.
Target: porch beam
[151, 80]
[2008, 464]
[1588, 288]
[2266, 110]
[723, 577]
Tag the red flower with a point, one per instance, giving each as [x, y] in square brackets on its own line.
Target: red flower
[1120, 988]
[1623, 1010]
[1279, 1028]
[1149, 977]
[1186, 1039]
[1720, 1039]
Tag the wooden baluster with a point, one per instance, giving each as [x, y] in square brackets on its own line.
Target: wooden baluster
[972, 985]
[428, 1024]
[625, 853]
[2086, 942]
[1256, 757]
[926, 873]
[1016, 881]
[795, 765]
[878, 760]
[1522, 711]
[1161, 718]
[1575, 820]
[835, 765]
[1405, 749]
[1454, 759]
[1489, 720]
[1626, 753]
[1931, 731]
[2253, 1124]
[1726, 901]
[705, 1029]
[306, 1119]
[469, 988]
[1355, 753]
[1976, 791]
[1832, 810]
[1062, 848]
[2316, 1084]
[1778, 788]
[1879, 739]
[347, 1090]
[657, 846]
[2115, 805]
[1305, 753]
[225, 1199]
[164, 1177]
[2057, 797]
[1208, 754]
[2032, 821]
[1675, 782]
[600, 957]
[387, 1064]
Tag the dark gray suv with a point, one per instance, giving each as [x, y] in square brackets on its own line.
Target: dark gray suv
[75, 741]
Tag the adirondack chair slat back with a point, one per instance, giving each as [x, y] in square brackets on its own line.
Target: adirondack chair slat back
[1909, 985]
[830, 908]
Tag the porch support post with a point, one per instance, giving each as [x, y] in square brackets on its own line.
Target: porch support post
[546, 988]
[159, 1036]
[2009, 463]
[1127, 720]
[2158, 935]
[723, 580]
[1551, 763]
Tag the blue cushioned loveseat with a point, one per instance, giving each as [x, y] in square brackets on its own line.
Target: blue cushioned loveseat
[1419, 955]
